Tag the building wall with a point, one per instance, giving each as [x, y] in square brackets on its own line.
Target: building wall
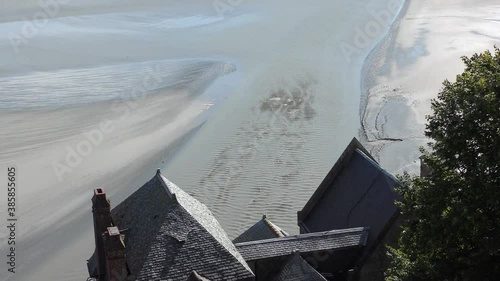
[377, 263]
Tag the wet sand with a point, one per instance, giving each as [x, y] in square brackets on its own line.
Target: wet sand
[406, 70]
[278, 130]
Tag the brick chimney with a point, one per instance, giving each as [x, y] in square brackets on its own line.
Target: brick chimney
[117, 269]
[101, 210]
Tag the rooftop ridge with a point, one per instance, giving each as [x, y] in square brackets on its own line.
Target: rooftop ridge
[167, 188]
[350, 242]
[196, 277]
[307, 235]
[274, 228]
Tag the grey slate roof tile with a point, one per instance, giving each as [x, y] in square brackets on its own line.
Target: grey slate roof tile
[263, 229]
[92, 265]
[340, 164]
[305, 243]
[297, 269]
[356, 192]
[170, 234]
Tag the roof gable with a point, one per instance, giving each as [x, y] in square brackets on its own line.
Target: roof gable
[196, 277]
[168, 234]
[356, 192]
[342, 162]
[263, 229]
[297, 269]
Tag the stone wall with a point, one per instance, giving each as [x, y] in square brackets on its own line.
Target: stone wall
[376, 264]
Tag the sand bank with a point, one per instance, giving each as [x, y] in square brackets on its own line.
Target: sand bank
[63, 154]
[406, 70]
[264, 151]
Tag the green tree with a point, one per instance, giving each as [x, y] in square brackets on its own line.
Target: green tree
[451, 228]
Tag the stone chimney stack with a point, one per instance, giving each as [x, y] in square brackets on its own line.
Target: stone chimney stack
[117, 269]
[101, 210]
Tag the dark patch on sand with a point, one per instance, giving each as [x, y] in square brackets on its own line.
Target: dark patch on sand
[291, 104]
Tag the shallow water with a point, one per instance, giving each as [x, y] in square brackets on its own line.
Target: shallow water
[76, 87]
[284, 98]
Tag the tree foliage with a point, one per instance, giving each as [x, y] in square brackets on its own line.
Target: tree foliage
[451, 227]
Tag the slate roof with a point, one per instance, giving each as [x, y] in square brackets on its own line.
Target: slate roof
[356, 192]
[263, 229]
[92, 266]
[169, 234]
[305, 243]
[297, 269]
[342, 161]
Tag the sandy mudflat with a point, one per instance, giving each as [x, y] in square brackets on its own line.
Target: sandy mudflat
[53, 209]
[265, 150]
[407, 69]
